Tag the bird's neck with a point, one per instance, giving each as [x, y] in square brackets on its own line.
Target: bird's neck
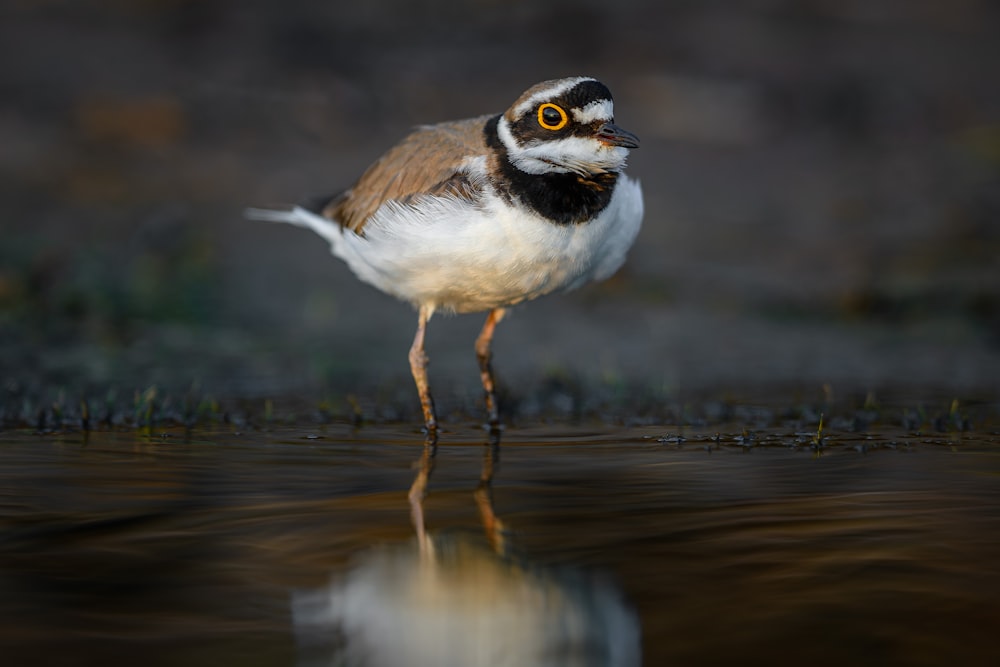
[563, 198]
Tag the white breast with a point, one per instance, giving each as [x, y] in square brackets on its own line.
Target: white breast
[447, 254]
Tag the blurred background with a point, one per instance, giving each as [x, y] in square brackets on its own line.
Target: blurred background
[822, 184]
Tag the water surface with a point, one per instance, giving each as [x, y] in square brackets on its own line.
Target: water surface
[716, 547]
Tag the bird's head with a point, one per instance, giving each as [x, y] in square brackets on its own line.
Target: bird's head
[565, 126]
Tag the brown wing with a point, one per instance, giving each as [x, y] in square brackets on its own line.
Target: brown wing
[423, 163]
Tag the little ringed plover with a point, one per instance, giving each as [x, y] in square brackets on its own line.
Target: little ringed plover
[482, 214]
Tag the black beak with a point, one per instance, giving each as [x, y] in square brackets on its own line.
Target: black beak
[612, 135]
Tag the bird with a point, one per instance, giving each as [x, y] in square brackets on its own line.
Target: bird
[481, 214]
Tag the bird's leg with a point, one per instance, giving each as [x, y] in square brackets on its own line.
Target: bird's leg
[484, 492]
[484, 354]
[418, 366]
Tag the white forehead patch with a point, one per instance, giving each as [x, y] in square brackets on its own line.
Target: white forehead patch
[548, 93]
[596, 110]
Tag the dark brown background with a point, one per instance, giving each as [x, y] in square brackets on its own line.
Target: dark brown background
[821, 185]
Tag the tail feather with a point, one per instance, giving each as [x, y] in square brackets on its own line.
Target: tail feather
[328, 229]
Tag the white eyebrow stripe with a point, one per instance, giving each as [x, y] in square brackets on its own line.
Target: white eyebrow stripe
[596, 110]
[548, 93]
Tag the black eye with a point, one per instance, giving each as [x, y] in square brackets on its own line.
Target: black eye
[552, 117]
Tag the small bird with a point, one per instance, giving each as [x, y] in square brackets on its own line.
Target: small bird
[482, 214]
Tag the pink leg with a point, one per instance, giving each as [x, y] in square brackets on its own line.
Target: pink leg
[418, 366]
[484, 354]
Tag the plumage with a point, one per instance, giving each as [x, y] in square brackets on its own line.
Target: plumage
[484, 213]
[424, 163]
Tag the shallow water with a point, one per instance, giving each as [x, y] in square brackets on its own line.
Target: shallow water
[295, 546]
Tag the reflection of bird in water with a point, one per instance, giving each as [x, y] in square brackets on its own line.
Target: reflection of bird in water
[449, 601]
[463, 607]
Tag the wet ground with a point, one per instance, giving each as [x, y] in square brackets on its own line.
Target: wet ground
[712, 544]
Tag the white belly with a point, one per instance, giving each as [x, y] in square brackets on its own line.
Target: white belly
[441, 253]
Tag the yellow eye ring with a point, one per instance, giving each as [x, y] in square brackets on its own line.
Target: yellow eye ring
[563, 118]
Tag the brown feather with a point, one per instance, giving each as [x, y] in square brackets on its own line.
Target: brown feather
[425, 162]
